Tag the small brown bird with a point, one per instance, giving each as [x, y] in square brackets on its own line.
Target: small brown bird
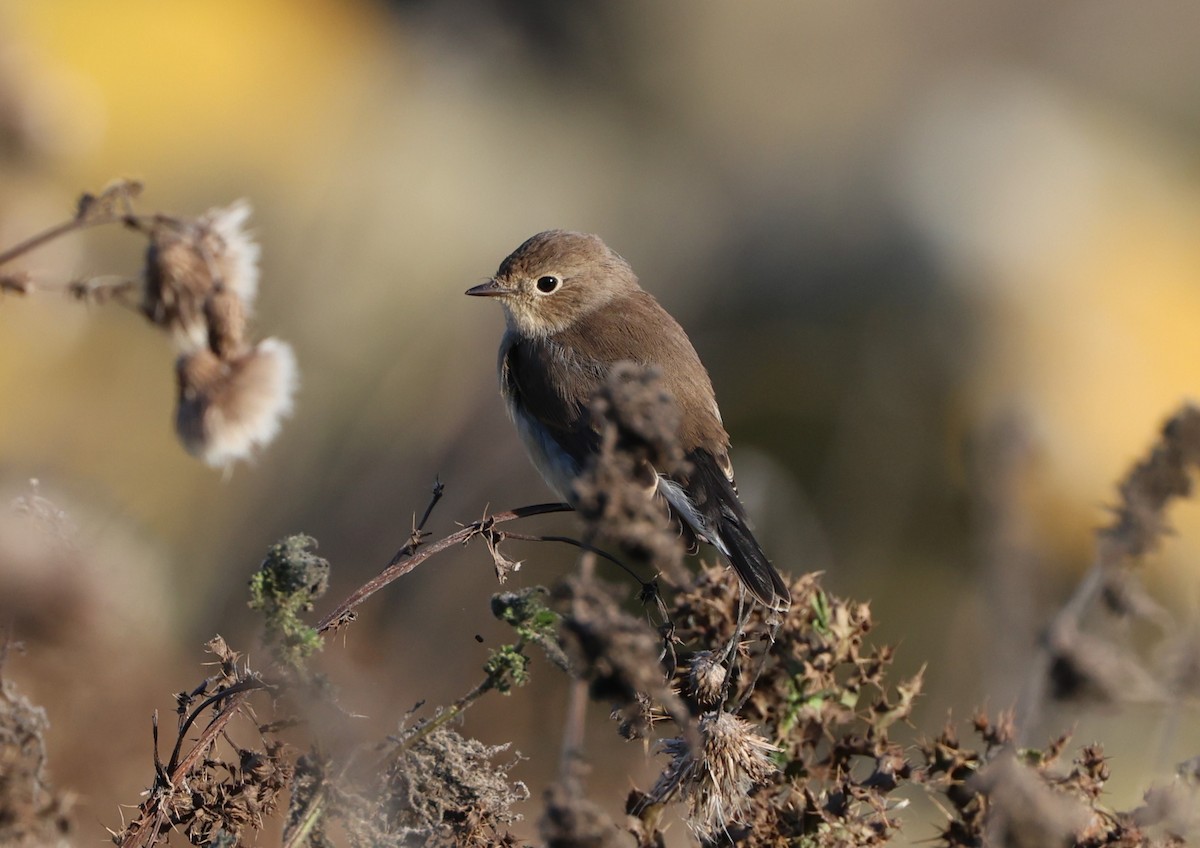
[574, 309]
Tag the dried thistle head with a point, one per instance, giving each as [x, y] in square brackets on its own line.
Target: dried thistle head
[706, 679]
[188, 261]
[229, 408]
[820, 696]
[716, 778]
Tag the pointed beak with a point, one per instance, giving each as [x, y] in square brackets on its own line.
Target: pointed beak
[491, 288]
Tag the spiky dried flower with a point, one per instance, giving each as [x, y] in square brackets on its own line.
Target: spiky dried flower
[229, 408]
[188, 261]
[716, 778]
[505, 565]
[822, 693]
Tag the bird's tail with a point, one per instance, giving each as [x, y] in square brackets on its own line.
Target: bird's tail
[751, 564]
[711, 508]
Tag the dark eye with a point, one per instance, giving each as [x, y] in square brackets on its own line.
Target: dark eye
[548, 284]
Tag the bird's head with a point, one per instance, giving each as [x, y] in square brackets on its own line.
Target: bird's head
[554, 279]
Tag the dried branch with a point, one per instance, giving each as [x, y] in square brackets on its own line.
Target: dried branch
[409, 557]
[113, 205]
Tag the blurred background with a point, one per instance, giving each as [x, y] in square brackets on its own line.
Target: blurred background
[942, 263]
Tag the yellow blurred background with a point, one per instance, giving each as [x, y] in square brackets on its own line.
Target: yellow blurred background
[943, 264]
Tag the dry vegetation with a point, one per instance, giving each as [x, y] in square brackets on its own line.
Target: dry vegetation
[773, 728]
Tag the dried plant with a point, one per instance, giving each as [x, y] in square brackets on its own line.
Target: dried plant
[441, 789]
[616, 494]
[716, 777]
[776, 728]
[808, 755]
[198, 284]
[1082, 657]
[32, 813]
[792, 743]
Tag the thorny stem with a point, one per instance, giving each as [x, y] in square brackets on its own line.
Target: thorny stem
[241, 686]
[773, 624]
[730, 660]
[439, 488]
[1115, 549]
[408, 558]
[45, 237]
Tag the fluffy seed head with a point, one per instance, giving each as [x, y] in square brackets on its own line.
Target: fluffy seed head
[225, 314]
[229, 408]
[188, 261]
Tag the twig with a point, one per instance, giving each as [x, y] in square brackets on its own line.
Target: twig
[45, 237]
[146, 828]
[575, 720]
[456, 709]
[92, 211]
[408, 558]
[439, 489]
[312, 814]
[567, 540]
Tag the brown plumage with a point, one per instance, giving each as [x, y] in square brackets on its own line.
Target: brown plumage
[574, 309]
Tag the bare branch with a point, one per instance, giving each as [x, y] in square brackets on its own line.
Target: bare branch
[408, 558]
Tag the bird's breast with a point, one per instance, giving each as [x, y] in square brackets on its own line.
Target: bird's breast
[556, 466]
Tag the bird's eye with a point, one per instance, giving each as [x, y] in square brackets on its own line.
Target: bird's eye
[548, 284]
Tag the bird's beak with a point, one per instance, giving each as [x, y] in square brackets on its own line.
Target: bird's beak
[491, 288]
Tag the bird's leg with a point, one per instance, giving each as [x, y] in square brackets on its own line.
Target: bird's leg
[773, 624]
[743, 616]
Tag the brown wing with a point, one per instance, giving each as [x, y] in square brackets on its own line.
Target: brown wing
[636, 328]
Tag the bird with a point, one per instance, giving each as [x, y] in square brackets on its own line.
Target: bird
[573, 310]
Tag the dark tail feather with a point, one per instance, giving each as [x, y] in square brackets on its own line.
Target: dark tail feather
[717, 516]
[751, 564]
